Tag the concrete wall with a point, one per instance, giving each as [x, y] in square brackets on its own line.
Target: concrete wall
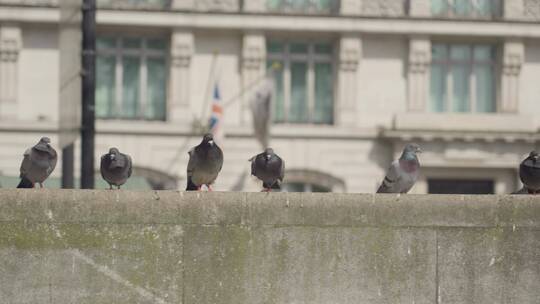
[175, 247]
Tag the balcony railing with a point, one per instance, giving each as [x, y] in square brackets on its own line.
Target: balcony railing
[303, 6]
[467, 9]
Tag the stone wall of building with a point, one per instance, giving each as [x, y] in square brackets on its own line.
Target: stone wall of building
[177, 247]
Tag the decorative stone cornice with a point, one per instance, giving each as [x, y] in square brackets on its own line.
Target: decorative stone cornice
[513, 57]
[419, 55]
[253, 51]
[10, 43]
[181, 48]
[350, 52]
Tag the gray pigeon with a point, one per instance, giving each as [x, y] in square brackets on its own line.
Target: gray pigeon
[269, 168]
[205, 162]
[403, 172]
[529, 173]
[115, 167]
[38, 163]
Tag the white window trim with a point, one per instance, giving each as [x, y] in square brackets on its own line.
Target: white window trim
[447, 64]
[311, 59]
[142, 53]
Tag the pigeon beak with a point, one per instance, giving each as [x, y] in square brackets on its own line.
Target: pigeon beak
[211, 142]
[113, 157]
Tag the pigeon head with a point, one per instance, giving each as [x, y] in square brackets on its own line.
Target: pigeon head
[208, 139]
[410, 151]
[44, 145]
[534, 156]
[268, 153]
[113, 152]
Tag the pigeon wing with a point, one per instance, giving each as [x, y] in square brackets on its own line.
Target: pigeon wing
[391, 179]
[130, 165]
[192, 163]
[52, 162]
[26, 163]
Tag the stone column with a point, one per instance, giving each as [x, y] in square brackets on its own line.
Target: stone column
[179, 108]
[351, 7]
[10, 46]
[513, 9]
[420, 8]
[350, 53]
[417, 74]
[253, 68]
[513, 55]
[254, 6]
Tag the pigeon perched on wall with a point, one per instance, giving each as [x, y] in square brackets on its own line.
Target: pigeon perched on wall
[38, 163]
[269, 168]
[205, 162]
[529, 173]
[115, 168]
[403, 172]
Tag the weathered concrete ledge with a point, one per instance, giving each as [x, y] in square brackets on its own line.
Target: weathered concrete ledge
[73, 246]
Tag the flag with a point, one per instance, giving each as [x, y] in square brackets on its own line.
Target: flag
[261, 108]
[216, 118]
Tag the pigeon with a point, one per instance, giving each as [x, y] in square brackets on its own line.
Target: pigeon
[402, 174]
[115, 168]
[205, 162]
[38, 163]
[269, 168]
[529, 173]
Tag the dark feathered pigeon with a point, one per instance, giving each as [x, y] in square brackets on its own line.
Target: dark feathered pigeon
[205, 162]
[38, 163]
[403, 172]
[115, 167]
[269, 168]
[529, 173]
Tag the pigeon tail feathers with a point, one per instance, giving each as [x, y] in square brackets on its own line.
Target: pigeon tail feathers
[25, 183]
[190, 185]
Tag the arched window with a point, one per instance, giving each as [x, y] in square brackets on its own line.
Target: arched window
[304, 180]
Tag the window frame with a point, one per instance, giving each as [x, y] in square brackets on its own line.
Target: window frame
[143, 53]
[471, 64]
[449, 12]
[310, 58]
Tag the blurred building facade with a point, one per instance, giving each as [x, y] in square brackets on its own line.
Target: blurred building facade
[358, 80]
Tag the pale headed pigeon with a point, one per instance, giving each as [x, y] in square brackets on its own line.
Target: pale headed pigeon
[38, 163]
[402, 174]
[115, 167]
[529, 173]
[269, 168]
[205, 162]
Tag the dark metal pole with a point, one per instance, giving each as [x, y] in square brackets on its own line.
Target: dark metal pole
[67, 167]
[88, 93]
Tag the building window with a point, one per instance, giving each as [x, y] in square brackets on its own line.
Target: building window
[460, 186]
[131, 77]
[466, 8]
[304, 84]
[303, 6]
[462, 78]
